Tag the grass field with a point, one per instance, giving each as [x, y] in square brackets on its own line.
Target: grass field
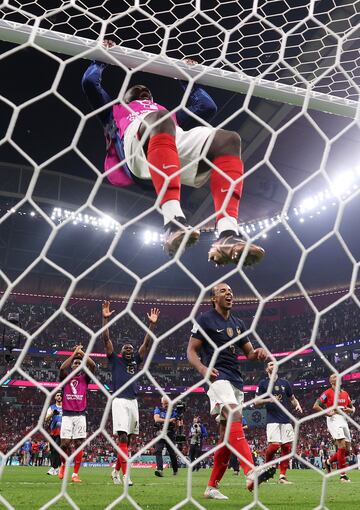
[28, 488]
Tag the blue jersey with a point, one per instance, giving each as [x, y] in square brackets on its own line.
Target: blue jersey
[221, 331]
[55, 422]
[122, 371]
[282, 390]
[27, 446]
[172, 426]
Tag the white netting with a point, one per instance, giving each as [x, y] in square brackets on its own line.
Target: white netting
[305, 55]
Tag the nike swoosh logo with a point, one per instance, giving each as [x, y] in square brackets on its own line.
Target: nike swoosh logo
[219, 330]
[165, 167]
[224, 190]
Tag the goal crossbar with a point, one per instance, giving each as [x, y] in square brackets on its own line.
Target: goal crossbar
[239, 82]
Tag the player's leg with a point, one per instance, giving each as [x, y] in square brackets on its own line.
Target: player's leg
[162, 155]
[273, 439]
[224, 153]
[65, 445]
[121, 429]
[221, 456]
[159, 458]
[79, 434]
[287, 437]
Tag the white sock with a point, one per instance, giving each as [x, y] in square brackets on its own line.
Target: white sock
[227, 223]
[170, 209]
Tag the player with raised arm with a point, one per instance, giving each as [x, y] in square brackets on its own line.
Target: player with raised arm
[156, 147]
[279, 429]
[73, 424]
[125, 410]
[53, 420]
[226, 383]
[337, 424]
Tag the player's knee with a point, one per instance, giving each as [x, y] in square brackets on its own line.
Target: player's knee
[161, 122]
[122, 437]
[225, 143]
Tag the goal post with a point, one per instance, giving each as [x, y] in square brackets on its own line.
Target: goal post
[234, 81]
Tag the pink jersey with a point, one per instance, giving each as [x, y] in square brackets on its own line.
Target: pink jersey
[74, 393]
[124, 116]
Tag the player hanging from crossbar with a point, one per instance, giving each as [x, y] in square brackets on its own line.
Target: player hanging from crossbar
[155, 147]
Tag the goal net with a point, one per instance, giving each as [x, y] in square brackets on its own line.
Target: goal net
[286, 77]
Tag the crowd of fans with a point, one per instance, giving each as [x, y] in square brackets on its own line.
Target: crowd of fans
[289, 333]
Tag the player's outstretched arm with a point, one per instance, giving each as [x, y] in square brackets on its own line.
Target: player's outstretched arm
[67, 363]
[193, 356]
[153, 317]
[200, 103]
[106, 314]
[92, 86]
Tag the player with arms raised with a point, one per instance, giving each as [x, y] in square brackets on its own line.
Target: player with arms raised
[226, 382]
[73, 424]
[156, 148]
[125, 410]
[279, 429]
[337, 424]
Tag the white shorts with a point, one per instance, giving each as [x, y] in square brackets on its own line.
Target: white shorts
[125, 415]
[189, 144]
[338, 427]
[73, 427]
[281, 433]
[221, 393]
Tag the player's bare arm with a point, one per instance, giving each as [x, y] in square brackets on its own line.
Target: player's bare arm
[193, 357]
[319, 406]
[350, 409]
[90, 363]
[106, 314]
[296, 404]
[252, 354]
[67, 363]
[262, 401]
[153, 317]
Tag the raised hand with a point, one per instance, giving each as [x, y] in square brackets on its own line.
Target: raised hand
[153, 316]
[190, 61]
[108, 43]
[261, 354]
[106, 310]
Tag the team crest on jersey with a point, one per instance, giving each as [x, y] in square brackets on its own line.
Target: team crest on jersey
[238, 331]
[230, 332]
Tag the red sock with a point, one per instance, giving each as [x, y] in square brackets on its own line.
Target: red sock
[162, 154]
[284, 464]
[333, 458]
[238, 441]
[77, 461]
[120, 461]
[233, 167]
[221, 461]
[341, 458]
[271, 451]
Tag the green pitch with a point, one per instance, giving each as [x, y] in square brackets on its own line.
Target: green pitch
[28, 488]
